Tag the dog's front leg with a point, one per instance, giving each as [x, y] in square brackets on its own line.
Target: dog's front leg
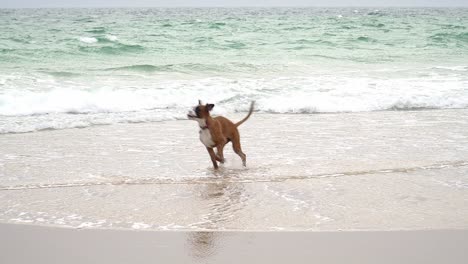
[219, 152]
[213, 157]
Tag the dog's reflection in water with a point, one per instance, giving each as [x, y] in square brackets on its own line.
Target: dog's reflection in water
[203, 244]
[225, 200]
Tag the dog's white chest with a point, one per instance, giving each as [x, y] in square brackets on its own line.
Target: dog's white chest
[205, 138]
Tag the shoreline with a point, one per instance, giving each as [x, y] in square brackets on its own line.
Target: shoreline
[324, 231]
[236, 116]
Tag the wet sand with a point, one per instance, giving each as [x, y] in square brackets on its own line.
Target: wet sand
[35, 244]
[359, 171]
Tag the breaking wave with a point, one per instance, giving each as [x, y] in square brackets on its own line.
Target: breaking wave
[157, 100]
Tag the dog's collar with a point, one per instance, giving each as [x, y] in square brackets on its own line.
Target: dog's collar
[204, 127]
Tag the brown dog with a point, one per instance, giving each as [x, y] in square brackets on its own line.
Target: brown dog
[217, 132]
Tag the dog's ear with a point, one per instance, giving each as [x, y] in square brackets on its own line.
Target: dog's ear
[199, 102]
[209, 107]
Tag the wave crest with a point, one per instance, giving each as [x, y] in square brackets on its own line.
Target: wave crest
[88, 40]
[154, 99]
[118, 48]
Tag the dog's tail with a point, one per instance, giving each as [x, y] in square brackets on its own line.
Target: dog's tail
[248, 115]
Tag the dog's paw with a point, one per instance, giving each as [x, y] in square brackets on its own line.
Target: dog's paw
[220, 159]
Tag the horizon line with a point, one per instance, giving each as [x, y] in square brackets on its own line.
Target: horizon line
[214, 6]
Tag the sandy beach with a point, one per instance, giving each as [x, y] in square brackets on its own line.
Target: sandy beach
[36, 244]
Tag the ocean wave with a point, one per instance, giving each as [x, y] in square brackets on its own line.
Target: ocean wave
[78, 101]
[450, 26]
[97, 30]
[376, 13]
[6, 50]
[297, 28]
[375, 25]
[366, 39]
[235, 45]
[59, 121]
[111, 37]
[88, 40]
[216, 25]
[309, 95]
[60, 74]
[98, 39]
[448, 37]
[452, 68]
[106, 39]
[140, 68]
[22, 40]
[117, 48]
[308, 104]
[185, 67]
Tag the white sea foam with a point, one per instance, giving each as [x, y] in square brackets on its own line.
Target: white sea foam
[140, 226]
[76, 101]
[111, 37]
[453, 68]
[80, 105]
[88, 39]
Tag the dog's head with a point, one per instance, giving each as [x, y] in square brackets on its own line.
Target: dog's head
[200, 111]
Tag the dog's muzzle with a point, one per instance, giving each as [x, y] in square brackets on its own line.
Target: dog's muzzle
[191, 115]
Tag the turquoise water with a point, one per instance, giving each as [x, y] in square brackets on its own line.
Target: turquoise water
[195, 41]
[63, 68]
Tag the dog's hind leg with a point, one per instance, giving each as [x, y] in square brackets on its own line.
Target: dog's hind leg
[237, 148]
[213, 157]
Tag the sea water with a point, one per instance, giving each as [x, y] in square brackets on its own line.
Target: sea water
[65, 68]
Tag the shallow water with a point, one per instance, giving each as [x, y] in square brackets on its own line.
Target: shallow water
[359, 171]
